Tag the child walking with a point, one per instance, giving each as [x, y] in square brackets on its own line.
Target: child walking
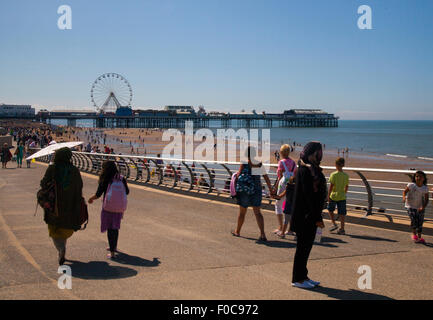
[115, 188]
[416, 199]
[339, 184]
[286, 168]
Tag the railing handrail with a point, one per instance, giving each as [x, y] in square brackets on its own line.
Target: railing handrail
[180, 174]
[378, 170]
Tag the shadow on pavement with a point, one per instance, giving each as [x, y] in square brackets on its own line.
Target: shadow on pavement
[95, 270]
[277, 244]
[124, 258]
[371, 238]
[326, 242]
[350, 294]
[272, 243]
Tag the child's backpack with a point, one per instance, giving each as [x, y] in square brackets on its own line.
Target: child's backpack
[285, 178]
[115, 199]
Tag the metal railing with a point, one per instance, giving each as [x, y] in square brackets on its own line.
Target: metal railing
[371, 191]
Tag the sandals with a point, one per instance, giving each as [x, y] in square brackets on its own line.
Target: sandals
[111, 256]
[234, 234]
[263, 239]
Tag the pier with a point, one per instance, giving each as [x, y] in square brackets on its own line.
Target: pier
[294, 118]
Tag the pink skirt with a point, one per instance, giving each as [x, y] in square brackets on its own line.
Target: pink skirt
[110, 220]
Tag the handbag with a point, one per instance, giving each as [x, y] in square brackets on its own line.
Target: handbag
[47, 199]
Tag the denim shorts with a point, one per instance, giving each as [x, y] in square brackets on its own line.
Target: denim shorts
[341, 206]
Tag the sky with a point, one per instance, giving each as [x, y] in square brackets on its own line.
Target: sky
[227, 55]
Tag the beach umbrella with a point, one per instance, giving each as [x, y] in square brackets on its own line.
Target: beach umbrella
[52, 148]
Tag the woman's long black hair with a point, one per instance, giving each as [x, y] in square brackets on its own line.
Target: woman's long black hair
[109, 170]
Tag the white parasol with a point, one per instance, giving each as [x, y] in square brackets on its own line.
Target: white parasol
[52, 148]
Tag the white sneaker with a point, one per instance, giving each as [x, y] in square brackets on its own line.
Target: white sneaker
[303, 285]
[314, 283]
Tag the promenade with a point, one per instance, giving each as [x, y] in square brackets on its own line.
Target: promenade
[179, 247]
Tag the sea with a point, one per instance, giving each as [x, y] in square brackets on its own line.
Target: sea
[399, 139]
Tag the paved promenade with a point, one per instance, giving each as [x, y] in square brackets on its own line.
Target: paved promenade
[180, 247]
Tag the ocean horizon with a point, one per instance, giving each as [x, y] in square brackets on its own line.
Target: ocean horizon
[397, 138]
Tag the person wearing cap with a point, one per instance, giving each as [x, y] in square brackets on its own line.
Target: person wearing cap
[308, 202]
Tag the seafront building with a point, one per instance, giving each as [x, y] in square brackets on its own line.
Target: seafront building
[16, 111]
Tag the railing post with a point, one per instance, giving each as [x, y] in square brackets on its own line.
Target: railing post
[369, 193]
[191, 183]
[210, 178]
[159, 170]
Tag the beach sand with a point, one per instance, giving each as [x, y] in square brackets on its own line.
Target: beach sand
[149, 142]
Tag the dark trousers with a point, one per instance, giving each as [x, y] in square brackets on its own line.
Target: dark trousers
[304, 244]
[113, 236]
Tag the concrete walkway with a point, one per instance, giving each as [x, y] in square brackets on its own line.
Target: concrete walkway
[180, 247]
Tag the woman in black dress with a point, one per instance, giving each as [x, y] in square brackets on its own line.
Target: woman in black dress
[308, 202]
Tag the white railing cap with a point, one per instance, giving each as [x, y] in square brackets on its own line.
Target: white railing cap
[379, 170]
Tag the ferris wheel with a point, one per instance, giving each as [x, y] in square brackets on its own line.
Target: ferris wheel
[110, 92]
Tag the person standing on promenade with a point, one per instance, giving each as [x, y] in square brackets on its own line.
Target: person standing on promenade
[308, 201]
[6, 155]
[69, 186]
[339, 184]
[249, 193]
[20, 154]
[110, 184]
[416, 199]
[286, 168]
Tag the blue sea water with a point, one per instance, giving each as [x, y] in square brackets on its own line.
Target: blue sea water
[407, 138]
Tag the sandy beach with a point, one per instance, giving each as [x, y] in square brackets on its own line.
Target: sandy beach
[149, 142]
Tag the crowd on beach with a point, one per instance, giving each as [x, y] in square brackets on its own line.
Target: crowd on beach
[26, 139]
[300, 191]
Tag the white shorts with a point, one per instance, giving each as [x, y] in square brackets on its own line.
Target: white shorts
[279, 207]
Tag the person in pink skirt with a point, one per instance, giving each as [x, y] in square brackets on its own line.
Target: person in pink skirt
[110, 221]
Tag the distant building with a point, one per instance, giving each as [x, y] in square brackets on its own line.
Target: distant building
[16, 111]
[124, 112]
[180, 109]
[217, 114]
[308, 113]
[155, 113]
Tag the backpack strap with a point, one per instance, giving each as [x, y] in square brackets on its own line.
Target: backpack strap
[285, 167]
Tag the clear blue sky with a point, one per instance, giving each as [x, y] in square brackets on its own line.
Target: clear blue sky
[227, 55]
